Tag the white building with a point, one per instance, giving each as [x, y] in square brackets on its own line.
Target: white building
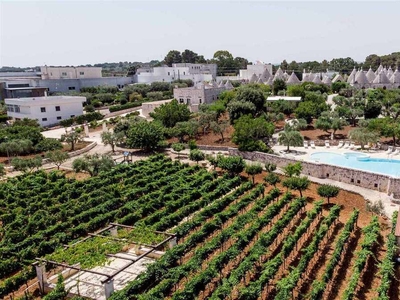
[48, 110]
[70, 72]
[194, 72]
[259, 69]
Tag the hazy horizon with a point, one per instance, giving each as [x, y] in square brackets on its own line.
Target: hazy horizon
[35, 33]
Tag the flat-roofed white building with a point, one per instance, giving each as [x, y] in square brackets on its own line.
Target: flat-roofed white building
[70, 72]
[48, 110]
[194, 72]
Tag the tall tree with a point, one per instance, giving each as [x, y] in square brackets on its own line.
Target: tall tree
[145, 135]
[328, 191]
[290, 137]
[363, 136]
[93, 164]
[171, 113]
[250, 131]
[57, 157]
[112, 139]
[188, 56]
[173, 57]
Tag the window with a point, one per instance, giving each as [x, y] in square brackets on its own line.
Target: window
[376, 185]
[358, 181]
[64, 74]
[200, 101]
[58, 108]
[81, 73]
[59, 118]
[43, 109]
[184, 73]
[44, 119]
[72, 116]
[180, 100]
[168, 73]
[71, 88]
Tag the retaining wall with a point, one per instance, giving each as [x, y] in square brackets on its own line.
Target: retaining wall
[83, 150]
[373, 181]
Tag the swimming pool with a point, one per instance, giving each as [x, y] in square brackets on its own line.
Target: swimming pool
[359, 161]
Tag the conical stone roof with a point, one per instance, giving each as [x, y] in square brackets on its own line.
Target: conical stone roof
[265, 75]
[395, 77]
[279, 72]
[306, 78]
[270, 81]
[370, 75]
[352, 75]
[337, 78]
[221, 84]
[228, 85]
[260, 80]
[253, 78]
[293, 79]
[286, 76]
[389, 72]
[380, 68]
[317, 80]
[327, 80]
[361, 78]
[381, 78]
[352, 78]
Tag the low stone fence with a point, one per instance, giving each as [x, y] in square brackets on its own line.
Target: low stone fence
[373, 181]
[83, 150]
[213, 148]
[121, 112]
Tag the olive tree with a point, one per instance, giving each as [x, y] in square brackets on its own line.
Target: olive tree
[290, 137]
[112, 139]
[178, 147]
[57, 157]
[196, 155]
[253, 169]
[328, 191]
[93, 164]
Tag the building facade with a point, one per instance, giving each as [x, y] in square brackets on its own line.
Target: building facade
[55, 80]
[48, 110]
[70, 72]
[200, 94]
[195, 72]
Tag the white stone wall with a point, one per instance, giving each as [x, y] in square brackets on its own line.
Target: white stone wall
[382, 183]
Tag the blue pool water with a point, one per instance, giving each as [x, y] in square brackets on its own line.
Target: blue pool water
[359, 161]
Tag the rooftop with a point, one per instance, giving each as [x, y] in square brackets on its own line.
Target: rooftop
[45, 99]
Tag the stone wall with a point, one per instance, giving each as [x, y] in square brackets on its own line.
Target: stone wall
[213, 148]
[373, 181]
[83, 150]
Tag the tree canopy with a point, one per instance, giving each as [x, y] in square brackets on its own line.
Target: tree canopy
[250, 131]
[171, 113]
[145, 135]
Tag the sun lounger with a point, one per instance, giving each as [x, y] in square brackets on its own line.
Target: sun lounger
[346, 145]
[305, 144]
[352, 145]
[340, 145]
[396, 152]
[327, 145]
[389, 150]
[312, 144]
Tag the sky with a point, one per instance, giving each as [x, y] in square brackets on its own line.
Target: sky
[87, 32]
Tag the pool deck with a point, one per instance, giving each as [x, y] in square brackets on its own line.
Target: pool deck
[368, 194]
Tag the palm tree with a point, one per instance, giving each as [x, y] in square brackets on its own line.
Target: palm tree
[290, 137]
